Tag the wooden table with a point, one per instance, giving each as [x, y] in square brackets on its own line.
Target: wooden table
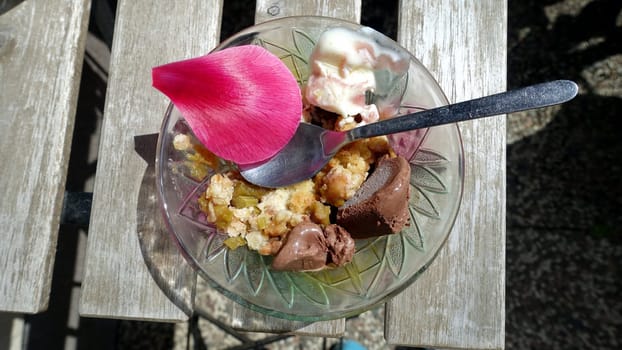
[462, 293]
[41, 51]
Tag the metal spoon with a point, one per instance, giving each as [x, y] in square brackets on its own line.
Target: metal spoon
[312, 146]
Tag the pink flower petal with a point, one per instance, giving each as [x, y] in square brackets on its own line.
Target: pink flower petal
[242, 103]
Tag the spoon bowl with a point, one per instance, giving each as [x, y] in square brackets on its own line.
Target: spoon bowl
[312, 146]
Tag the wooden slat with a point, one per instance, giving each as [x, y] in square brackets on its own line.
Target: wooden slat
[459, 302]
[265, 10]
[41, 52]
[117, 282]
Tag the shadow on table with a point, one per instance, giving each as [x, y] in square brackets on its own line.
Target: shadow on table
[174, 276]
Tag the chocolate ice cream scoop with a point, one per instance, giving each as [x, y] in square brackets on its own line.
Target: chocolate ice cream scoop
[380, 206]
[304, 249]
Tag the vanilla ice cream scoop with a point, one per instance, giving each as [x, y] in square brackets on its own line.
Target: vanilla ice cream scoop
[343, 66]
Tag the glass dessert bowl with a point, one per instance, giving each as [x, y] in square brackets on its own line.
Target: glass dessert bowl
[380, 266]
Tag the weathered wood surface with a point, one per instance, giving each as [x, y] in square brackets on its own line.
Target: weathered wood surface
[41, 52]
[266, 10]
[125, 219]
[459, 302]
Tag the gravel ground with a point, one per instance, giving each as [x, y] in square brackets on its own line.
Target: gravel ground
[564, 243]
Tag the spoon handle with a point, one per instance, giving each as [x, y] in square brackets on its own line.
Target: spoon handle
[533, 96]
